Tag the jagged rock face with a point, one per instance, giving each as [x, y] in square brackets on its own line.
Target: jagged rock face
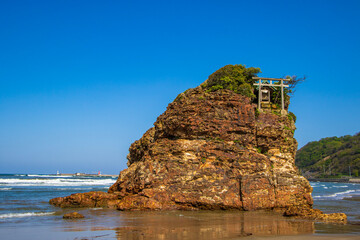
[213, 151]
[88, 199]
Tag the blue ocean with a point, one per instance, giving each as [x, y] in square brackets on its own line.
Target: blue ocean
[24, 209]
[24, 196]
[333, 197]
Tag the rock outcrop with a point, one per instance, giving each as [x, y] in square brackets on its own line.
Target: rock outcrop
[208, 150]
[89, 199]
[314, 214]
[73, 215]
[213, 151]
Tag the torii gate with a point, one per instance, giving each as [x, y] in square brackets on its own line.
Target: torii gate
[272, 82]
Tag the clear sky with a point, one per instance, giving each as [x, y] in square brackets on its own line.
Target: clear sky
[81, 80]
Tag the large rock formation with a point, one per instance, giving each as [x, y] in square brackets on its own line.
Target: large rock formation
[209, 150]
[213, 151]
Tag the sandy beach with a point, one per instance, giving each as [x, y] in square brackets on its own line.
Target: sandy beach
[207, 225]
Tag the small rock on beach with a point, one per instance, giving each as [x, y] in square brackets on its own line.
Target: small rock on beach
[73, 215]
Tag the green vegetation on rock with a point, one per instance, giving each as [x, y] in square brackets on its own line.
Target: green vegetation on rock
[330, 157]
[239, 79]
[236, 78]
[292, 116]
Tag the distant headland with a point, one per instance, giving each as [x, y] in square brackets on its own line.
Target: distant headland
[335, 158]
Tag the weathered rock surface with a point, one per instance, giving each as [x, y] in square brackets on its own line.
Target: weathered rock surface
[89, 199]
[208, 151]
[73, 215]
[211, 151]
[316, 214]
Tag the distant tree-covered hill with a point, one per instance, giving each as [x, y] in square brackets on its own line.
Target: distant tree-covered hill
[330, 157]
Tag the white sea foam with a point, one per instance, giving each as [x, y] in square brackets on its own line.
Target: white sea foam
[5, 189]
[76, 188]
[343, 186]
[340, 193]
[28, 214]
[56, 182]
[337, 195]
[47, 176]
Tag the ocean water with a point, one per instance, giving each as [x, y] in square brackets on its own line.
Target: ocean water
[24, 210]
[25, 196]
[338, 197]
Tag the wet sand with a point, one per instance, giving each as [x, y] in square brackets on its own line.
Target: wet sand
[310, 237]
[202, 225]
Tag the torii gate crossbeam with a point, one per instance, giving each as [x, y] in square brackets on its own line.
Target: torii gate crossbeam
[271, 82]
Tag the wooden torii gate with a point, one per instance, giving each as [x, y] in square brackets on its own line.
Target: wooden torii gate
[271, 82]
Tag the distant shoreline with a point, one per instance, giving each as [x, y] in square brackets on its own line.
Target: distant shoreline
[86, 175]
[343, 180]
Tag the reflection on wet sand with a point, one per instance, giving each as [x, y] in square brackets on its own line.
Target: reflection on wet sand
[208, 225]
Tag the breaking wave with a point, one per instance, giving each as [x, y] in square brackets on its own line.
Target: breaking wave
[74, 188]
[343, 186]
[28, 214]
[63, 182]
[337, 195]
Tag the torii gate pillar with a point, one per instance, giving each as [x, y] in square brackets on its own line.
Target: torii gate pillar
[272, 82]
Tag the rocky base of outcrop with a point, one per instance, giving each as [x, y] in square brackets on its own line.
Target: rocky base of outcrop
[315, 214]
[111, 200]
[88, 200]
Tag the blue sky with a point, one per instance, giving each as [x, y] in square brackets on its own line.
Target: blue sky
[81, 80]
